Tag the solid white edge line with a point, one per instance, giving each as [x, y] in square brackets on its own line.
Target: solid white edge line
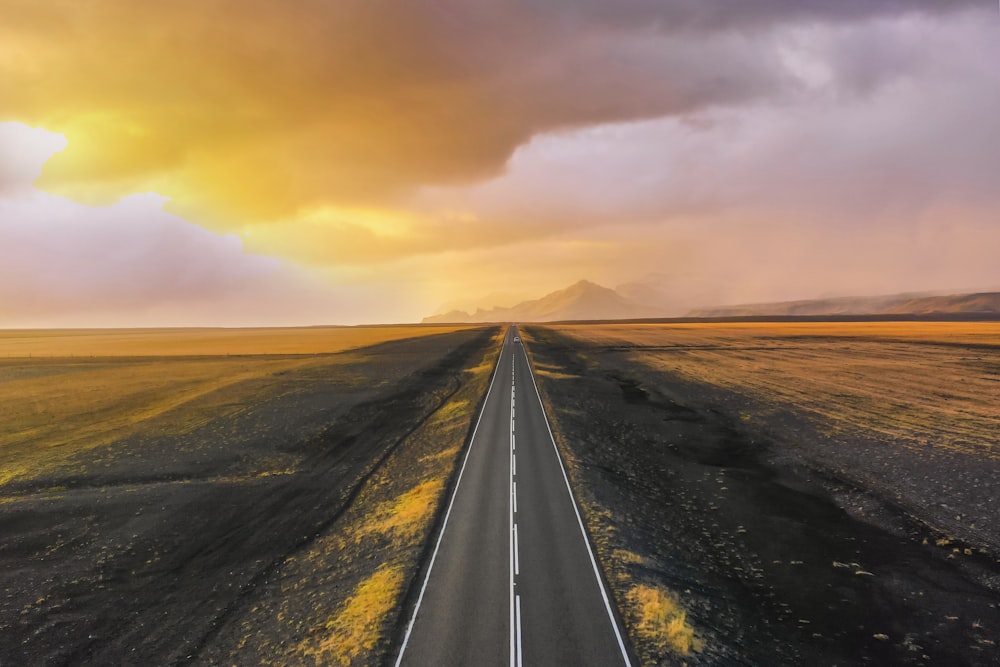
[447, 514]
[518, 631]
[579, 519]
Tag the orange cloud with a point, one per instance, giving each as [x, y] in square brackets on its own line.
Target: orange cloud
[258, 110]
[426, 148]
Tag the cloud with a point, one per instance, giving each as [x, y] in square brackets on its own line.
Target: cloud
[255, 110]
[63, 263]
[845, 185]
[927, 130]
[411, 155]
[23, 151]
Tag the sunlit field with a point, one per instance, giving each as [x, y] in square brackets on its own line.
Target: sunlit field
[84, 388]
[198, 342]
[297, 471]
[787, 493]
[933, 381]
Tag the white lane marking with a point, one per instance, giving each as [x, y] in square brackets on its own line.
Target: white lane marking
[579, 519]
[514, 623]
[518, 631]
[447, 514]
[515, 497]
[513, 462]
[517, 558]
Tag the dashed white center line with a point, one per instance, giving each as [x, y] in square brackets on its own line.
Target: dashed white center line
[513, 464]
[515, 616]
[517, 558]
[447, 515]
[515, 497]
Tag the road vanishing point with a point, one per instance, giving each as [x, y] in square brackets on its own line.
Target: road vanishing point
[512, 578]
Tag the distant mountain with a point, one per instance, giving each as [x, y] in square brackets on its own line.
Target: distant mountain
[982, 303]
[581, 301]
[897, 304]
[588, 301]
[498, 299]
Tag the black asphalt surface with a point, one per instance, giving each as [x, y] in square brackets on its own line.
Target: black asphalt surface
[512, 580]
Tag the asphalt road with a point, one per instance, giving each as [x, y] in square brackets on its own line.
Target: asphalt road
[512, 579]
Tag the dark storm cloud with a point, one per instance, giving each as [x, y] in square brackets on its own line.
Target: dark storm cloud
[261, 110]
[710, 15]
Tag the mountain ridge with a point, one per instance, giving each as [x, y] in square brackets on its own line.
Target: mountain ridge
[583, 300]
[586, 300]
[893, 304]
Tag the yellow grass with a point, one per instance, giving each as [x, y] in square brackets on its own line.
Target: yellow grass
[906, 380]
[51, 411]
[400, 525]
[982, 333]
[627, 557]
[661, 621]
[452, 410]
[407, 515]
[53, 406]
[198, 342]
[353, 630]
[485, 367]
[555, 375]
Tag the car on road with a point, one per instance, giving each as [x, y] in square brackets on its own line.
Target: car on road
[517, 339]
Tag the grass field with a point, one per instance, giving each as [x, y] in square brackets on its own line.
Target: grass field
[176, 493]
[927, 382]
[81, 389]
[787, 493]
[202, 342]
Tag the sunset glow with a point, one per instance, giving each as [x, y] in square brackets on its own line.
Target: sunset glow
[260, 163]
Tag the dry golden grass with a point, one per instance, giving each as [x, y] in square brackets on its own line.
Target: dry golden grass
[51, 411]
[930, 382]
[354, 628]
[657, 623]
[554, 375]
[451, 410]
[977, 333]
[53, 406]
[406, 516]
[202, 342]
[389, 521]
[661, 621]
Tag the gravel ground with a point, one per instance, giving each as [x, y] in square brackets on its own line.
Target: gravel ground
[158, 550]
[781, 543]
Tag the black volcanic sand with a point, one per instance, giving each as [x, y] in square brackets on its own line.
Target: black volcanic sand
[140, 552]
[770, 567]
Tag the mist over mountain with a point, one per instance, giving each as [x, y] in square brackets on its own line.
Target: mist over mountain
[896, 304]
[583, 300]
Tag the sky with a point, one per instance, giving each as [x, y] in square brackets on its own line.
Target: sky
[249, 162]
